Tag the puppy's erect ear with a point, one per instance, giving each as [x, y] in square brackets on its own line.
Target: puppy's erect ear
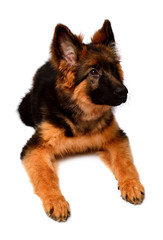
[65, 45]
[104, 35]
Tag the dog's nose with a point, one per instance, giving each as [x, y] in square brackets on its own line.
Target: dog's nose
[121, 91]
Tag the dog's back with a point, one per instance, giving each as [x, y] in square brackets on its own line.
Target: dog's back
[31, 106]
[25, 110]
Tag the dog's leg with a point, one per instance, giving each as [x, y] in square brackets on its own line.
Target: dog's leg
[37, 161]
[117, 155]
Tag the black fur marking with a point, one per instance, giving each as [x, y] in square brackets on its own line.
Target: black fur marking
[24, 110]
[42, 102]
[121, 134]
[109, 33]
[33, 142]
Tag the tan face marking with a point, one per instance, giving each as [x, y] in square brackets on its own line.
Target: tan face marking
[91, 111]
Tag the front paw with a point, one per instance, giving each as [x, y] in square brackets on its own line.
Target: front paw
[132, 191]
[57, 208]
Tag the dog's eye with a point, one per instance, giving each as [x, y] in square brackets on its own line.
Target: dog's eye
[93, 72]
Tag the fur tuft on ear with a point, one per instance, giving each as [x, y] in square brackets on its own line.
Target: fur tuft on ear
[65, 46]
[104, 35]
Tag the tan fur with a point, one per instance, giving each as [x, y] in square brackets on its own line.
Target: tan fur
[90, 111]
[55, 139]
[38, 164]
[98, 37]
[119, 159]
[116, 153]
[120, 71]
[66, 81]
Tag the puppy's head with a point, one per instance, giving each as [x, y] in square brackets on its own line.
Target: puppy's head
[91, 73]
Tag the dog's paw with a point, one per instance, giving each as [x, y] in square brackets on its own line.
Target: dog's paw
[57, 208]
[132, 191]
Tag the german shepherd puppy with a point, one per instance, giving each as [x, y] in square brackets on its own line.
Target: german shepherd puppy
[70, 106]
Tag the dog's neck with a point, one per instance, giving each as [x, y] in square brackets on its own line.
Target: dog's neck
[86, 124]
[91, 112]
[82, 115]
[90, 119]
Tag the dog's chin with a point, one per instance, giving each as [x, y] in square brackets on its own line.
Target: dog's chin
[118, 102]
[111, 103]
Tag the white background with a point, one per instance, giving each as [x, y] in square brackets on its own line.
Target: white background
[97, 210]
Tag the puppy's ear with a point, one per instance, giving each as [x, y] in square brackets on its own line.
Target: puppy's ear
[104, 35]
[65, 45]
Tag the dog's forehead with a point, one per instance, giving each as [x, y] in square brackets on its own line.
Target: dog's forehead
[100, 49]
[97, 54]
